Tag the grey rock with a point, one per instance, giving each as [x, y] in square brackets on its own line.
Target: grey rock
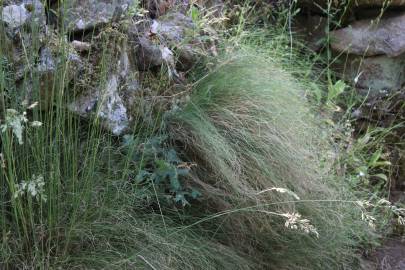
[37, 10]
[108, 101]
[106, 104]
[81, 46]
[112, 108]
[179, 31]
[46, 61]
[174, 33]
[44, 72]
[123, 63]
[15, 15]
[18, 14]
[85, 104]
[368, 38]
[81, 15]
[35, 83]
[174, 27]
[379, 75]
[49, 62]
[19, 19]
[148, 54]
[76, 66]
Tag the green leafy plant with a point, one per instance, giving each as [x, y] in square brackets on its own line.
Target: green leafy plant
[366, 160]
[161, 167]
[334, 91]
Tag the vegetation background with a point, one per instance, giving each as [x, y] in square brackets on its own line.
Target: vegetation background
[249, 157]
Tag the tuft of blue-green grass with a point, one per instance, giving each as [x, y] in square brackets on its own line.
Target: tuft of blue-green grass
[261, 157]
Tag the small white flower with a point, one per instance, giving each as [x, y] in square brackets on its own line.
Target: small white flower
[33, 188]
[33, 105]
[14, 121]
[36, 124]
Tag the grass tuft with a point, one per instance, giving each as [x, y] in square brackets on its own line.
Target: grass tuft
[250, 129]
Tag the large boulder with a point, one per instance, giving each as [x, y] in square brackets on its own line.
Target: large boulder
[370, 38]
[82, 15]
[377, 75]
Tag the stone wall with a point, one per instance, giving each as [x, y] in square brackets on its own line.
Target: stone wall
[72, 36]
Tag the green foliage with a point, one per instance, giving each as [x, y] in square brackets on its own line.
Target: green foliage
[335, 90]
[195, 14]
[161, 167]
[264, 194]
[366, 160]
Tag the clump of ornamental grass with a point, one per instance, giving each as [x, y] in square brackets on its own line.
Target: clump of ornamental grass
[262, 162]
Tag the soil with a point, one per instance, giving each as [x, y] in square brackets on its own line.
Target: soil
[390, 256]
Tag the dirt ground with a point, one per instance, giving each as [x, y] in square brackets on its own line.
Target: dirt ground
[390, 256]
